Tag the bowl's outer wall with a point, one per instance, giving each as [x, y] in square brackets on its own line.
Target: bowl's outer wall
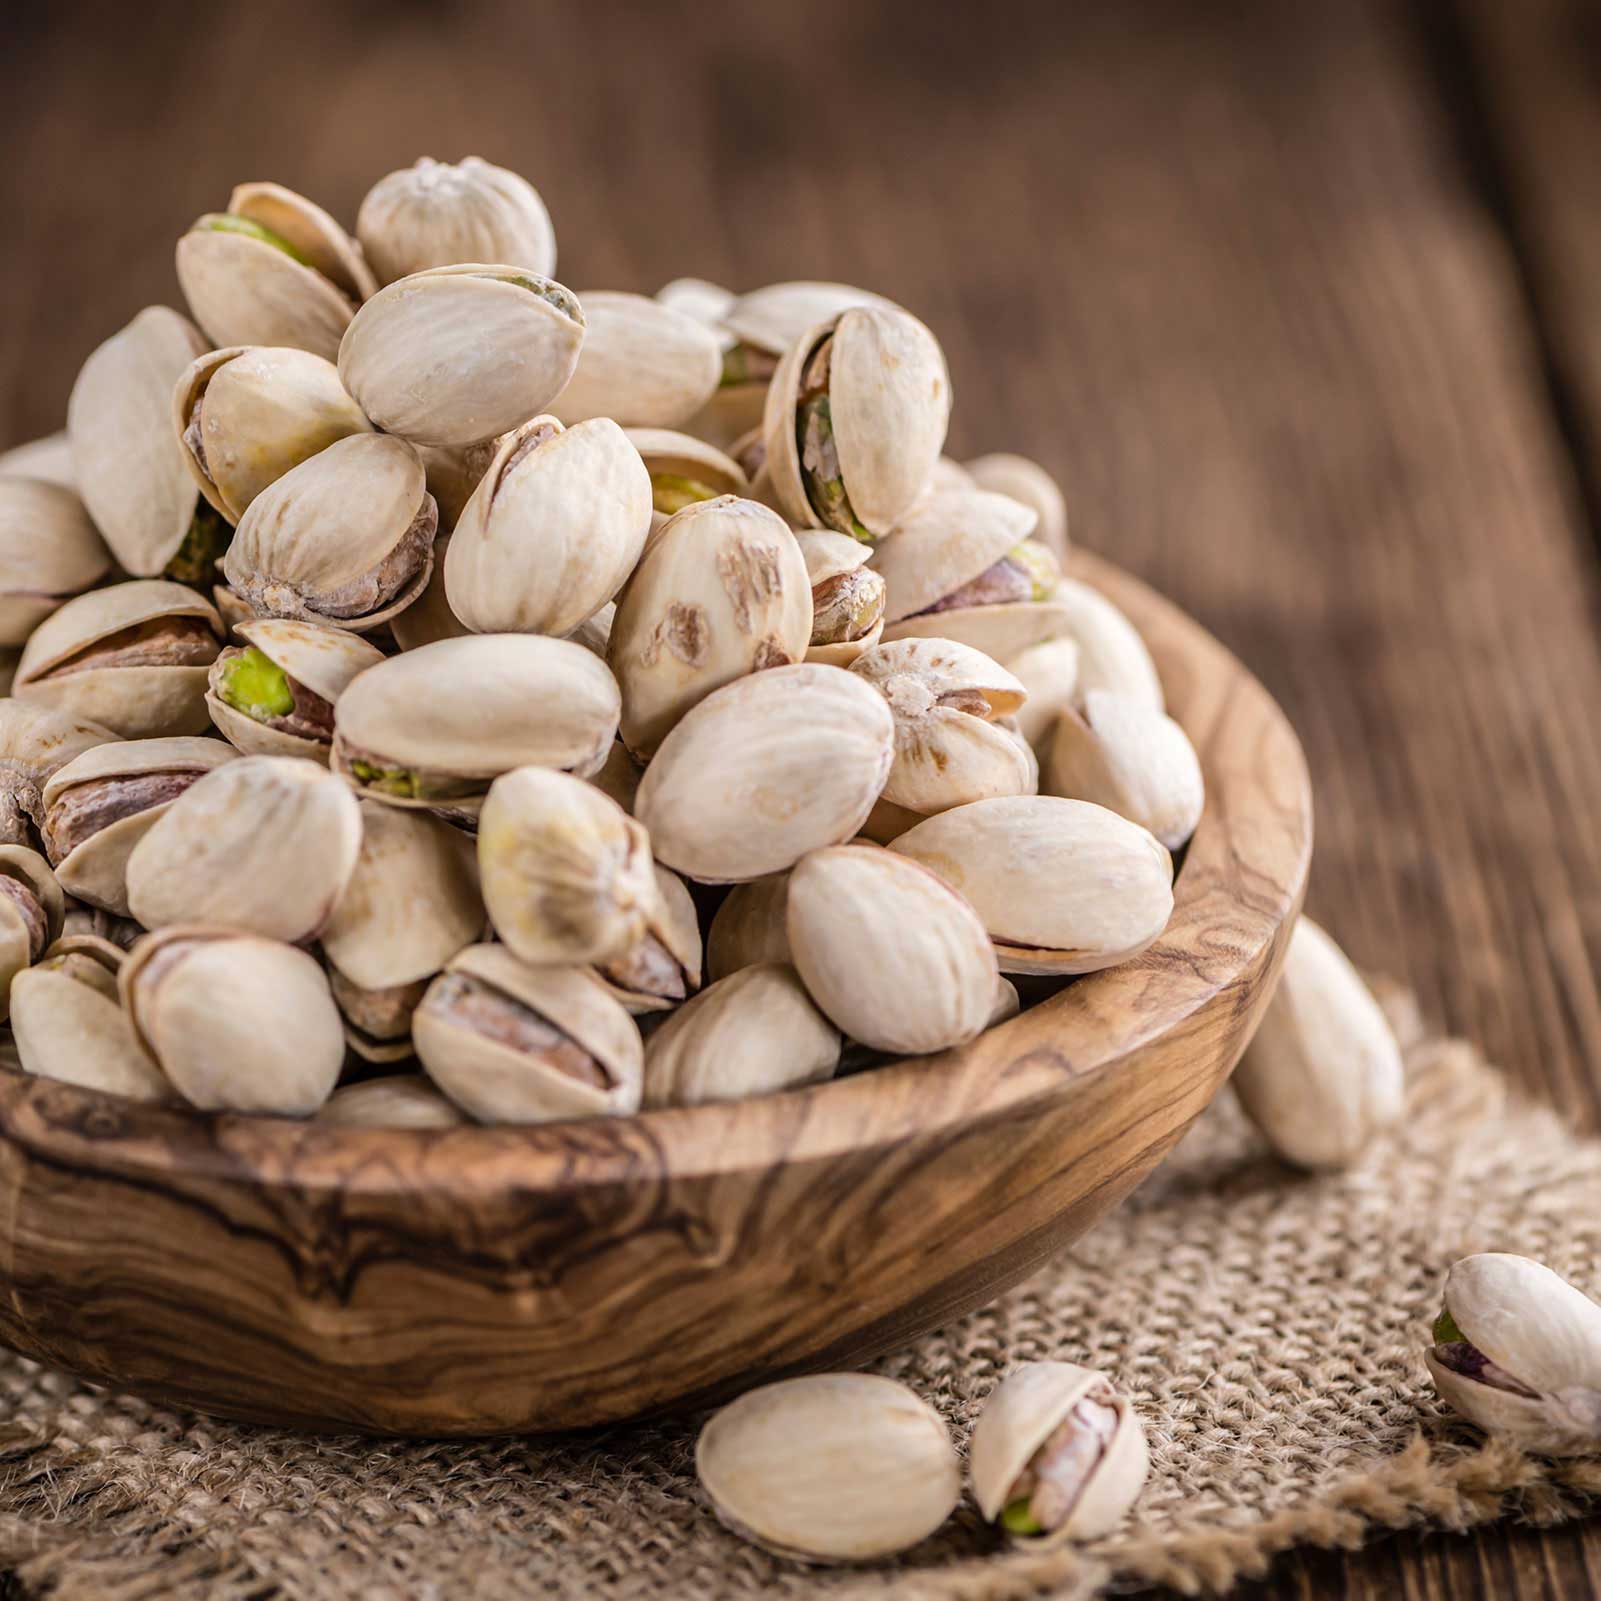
[492, 1280]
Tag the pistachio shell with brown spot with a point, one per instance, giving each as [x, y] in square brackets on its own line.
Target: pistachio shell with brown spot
[642, 364]
[50, 551]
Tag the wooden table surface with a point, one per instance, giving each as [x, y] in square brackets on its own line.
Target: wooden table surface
[1302, 304]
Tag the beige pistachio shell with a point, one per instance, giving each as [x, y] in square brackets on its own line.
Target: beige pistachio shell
[1000, 631]
[672, 935]
[833, 1467]
[1028, 482]
[95, 870]
[890, 398]
[237, 1023]
[433, 213]
[764, 770]
[1061, 885]
[403, 1100]
[1020, 1416]
[412, 901]
[720, 593]
[1323, 1073]
[749, 926]
[1119, 752]
[135, 701]
[670, 456]
[24, 937]
[698, 298]
[492, 1079]
[1111, 654]
[566, 872]
[314, 543]
[255, 412]
[552, 531]
[314, 234]
[34, 743]
[947, 749]
[49, 552]
[131, 472]
[454, 472]
[773, 317]
[459, 354]
[230, 608]
[429, 618]
[642, 364]
[944, 542]
[1049, 672]
[618, 777]
[830, 556]
[49, 460]
[477, 707]
[893, 956]
[264, 844]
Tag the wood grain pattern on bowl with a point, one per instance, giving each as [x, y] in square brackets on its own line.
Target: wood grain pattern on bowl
[482, 1280]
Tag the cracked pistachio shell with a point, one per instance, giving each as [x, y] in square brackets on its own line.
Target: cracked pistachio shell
[552, 531]
[237, 1023]
[566, 872]
[756, 1032]
[459, 354]
[264, 844]
[143, 697]
[890, 401]
[889, 951]
[257, 411]
[1049, 672]
[944, 542]
[642, 363]
[496, 1082]
[429, 618]
[1061, 885]
[1542, 1331]
[25, 937]
[49, 552]
[1022, 1413]
[683, 468]
[1028, 482]
[412, 901]
[131, 472]
[829, 556]
[832, 1467]
[434, 213]
[402, 1100]
[749, 926]
[698, 298]
[773, 317]
[474, 708]
[95, 869]
[672, 930]
[49, 460]
[69, 1025]
[1120, 753]
[947, 749]
[313, 543]
[1111, 654]
[764, 770]
[721, 592]
[36, 742]
[1323, 1073]
[321, 242]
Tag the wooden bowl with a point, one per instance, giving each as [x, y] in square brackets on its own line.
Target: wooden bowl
[480, 1280]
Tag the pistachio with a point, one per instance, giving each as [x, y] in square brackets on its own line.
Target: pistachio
[1057, 1454]
[1049, 672]
[1323, 1074]
[31, 911]
[36, 742]
[1028, 482]
[1111, 654]
[403, 1100]
[683, 470]
[377, 1021]
[833, 1467]
[594, 633]
[49, 460]
[847, 596]
[696, 297]
[433, 213]
[749, 926]
[663, 965]
[49, 552]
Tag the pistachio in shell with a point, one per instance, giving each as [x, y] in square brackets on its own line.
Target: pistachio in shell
[49, 552]
[663, 966]
[398, 1100]
[1028, 482]
[642, 364]
[683, 470]
[698, 298]
[36, 742]
[48, 459]
[1049, 672]
[749, 926]
[847, 596]
[1111, 654]
[31, 911]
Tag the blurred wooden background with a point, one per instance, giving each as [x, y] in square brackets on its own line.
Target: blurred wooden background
[1302, 304]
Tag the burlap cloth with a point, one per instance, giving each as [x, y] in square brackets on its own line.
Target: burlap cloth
[1269, 1327]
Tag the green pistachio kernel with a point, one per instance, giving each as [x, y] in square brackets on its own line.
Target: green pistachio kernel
[1445, 1330]
[390, 780]
[1037, 561]
[1017, 1518]
[227, 222]
[256, 685]
[203, 547]
[815, 427]
[669, 492]
[548, 291]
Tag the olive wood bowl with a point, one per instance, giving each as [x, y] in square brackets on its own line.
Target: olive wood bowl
[487, 1280]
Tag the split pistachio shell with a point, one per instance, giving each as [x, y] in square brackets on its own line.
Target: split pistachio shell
[132, 657]
[847, 596]
[31, 911]
[510, 1043]
[49, 552]
[320, 242]
[772, 318]
[1057, 1454]
[756, 1032]
[892, 954]
[698, 298]
[49, 460]
[750, 926]
[131, 471]
[438, 724]
[663, 965]
[642, 363]
[403, 1100]
[683, 469]
[720, 593]
[947, 749]
[236, 1022]
[345, 538]
[852, 447]
[1061, 885]
[1111, 654]
[1518, 1351]
[566, 872]
[943, 543]
[433, 213]
[1119, 752]
[553, 529]
[412, 901]
[764, 770]
[98, 806]
[34, 743]
[1049, 672]
[264, 844]
[245, 415]
[833, 1467]
[1323, 1074]
[429, 618]
[1028, 482]
[459, 354]
[69, 1025]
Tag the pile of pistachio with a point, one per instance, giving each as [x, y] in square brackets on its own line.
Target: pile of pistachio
[438, 695]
